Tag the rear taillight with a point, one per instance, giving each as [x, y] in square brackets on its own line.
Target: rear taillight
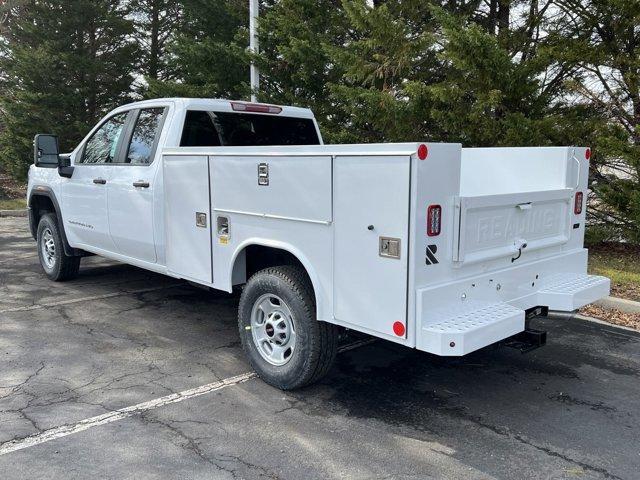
[434, 220]
[577, 205]
[255, 107]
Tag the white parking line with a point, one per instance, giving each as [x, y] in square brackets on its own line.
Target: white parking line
[38, 306]
[66, 430]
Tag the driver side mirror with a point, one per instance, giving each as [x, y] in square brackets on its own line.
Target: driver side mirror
[45, 150]
[46, 154]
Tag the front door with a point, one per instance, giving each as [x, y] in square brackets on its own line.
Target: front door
[131, 189]
[84, 195]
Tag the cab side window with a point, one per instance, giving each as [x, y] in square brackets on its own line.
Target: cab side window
[199, 130]
[102, 147]
[145, 136]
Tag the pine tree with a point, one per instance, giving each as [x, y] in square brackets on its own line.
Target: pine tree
[604, 36]
[64, 65]
[389, 49]
[156, 22]
[451, 71]
[296, 40]
[208, 56]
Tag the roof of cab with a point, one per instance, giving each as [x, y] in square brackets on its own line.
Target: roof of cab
[219, 104]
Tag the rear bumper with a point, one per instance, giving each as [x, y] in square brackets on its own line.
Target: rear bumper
[462, 316]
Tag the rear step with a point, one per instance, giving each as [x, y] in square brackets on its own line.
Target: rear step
[462, 330]
[570, 291]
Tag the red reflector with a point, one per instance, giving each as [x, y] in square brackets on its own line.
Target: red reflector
[255, 107]
[398, 329]
[577, 206]
[434, 220]
[423, 151]
[587, 154]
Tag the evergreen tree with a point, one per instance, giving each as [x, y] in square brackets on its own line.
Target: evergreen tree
[389, 49]
[208, 56]
[449, 71]
[296, 40]
[156, 22]
[63, 64]
[604, 36]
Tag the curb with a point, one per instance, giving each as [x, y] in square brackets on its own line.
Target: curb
[626, 306]
[13, 213]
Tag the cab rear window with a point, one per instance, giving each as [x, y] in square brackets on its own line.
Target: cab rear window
[227, 129]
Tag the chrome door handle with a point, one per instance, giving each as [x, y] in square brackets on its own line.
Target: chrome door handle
[99, 181]
[141, 184]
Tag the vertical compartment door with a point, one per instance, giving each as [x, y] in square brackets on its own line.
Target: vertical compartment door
[187, 204]
[371, 214]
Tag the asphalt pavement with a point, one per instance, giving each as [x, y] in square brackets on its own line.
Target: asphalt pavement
[126, 374]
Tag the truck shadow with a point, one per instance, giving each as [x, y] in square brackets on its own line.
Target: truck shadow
[497, 389]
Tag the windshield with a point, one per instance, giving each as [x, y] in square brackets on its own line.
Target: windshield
[222, 129]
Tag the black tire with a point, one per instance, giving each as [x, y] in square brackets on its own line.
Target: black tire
[316, 342]
[59, 266]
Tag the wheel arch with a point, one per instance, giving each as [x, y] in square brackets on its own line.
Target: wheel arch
[256, 246]
[42, 199]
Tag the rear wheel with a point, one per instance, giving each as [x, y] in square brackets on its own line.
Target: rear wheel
[57, 265]
[285, 343]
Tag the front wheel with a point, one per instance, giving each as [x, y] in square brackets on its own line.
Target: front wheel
[57, 265]
[285, 343]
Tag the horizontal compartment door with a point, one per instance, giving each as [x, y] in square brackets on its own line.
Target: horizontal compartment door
[494, 226]
[274, 186]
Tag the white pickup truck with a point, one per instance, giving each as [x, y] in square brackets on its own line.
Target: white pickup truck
[429, 245]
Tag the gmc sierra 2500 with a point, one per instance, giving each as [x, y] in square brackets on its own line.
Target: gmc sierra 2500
[429, 245]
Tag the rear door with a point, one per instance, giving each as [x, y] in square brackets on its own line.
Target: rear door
[131, 188]
[84, 195]
[371, 215]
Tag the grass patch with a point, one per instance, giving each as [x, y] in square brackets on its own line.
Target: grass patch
[621, 263]
[13, 204]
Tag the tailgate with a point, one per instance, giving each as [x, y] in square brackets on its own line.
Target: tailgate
[494, 226]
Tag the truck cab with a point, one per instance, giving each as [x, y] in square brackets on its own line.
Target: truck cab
[111, 201]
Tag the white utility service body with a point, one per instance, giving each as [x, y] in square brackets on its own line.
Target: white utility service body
[321, 201]
[510, 233]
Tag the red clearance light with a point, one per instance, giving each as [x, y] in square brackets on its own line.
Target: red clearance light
[434, 220]
[255, 107]
[399, 329]
[423, 151]
[587, 153]
[577, 206]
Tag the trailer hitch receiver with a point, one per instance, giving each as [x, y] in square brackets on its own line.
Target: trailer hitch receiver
[528, 340]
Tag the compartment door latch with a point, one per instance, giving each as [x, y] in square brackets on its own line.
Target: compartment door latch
[263, 174]
[389, 247]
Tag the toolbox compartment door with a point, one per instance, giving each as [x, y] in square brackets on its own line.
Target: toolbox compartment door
[505, 225]
[187, 222]
[371, 204]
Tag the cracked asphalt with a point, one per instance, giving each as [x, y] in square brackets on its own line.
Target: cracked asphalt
[118, 336]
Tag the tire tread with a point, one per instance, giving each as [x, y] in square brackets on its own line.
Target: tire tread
[323, 346]
[67, 267]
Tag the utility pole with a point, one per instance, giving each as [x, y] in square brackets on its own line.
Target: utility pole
[253, 47]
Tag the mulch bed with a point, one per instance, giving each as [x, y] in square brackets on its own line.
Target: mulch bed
[616, 317]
